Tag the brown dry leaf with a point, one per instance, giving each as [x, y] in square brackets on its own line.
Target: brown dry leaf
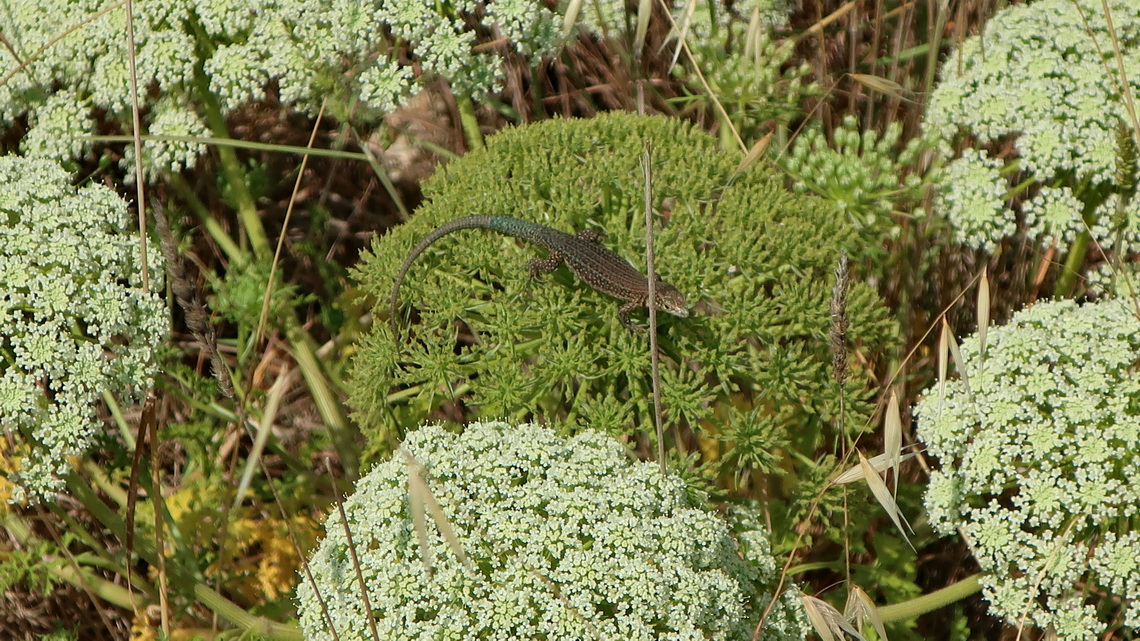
[420, 497]
[852, 609]
[570, 17]
[860, 608]
[881, 85]
[416, 491]
[754, 153]
[956, 354]
[943, 360]
[828, 622]
[680, 27]
[264, 430]
[822, 24]
[820, 620]
[644, 10]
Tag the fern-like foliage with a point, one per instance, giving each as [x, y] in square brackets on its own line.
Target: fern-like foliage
[866, 174]
[750, 367]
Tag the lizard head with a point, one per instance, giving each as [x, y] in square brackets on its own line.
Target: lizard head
[670, 299]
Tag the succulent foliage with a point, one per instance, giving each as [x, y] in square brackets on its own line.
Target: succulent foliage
[564, 539]
[750, 367]
[74, 321]
[864, 173]
[1041, 465]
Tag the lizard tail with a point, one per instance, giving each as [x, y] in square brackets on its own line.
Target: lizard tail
[467, 222]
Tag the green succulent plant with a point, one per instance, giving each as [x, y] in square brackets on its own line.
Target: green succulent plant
[746, 67]
[751, 366]
[862, 173]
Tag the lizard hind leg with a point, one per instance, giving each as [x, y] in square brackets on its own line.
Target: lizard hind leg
[589, 235]
[539, 266]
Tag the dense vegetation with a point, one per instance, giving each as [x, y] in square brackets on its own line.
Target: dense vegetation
[211, 431]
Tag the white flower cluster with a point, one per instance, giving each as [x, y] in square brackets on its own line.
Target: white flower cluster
[343, 48]
[1043, 76]
[1110, 280]
[74, 323]
[972, 194]
[567, 539]
[1041, 464]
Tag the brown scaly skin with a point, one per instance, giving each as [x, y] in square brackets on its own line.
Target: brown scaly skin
[597, 266]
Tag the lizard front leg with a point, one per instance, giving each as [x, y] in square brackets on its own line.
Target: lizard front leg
[623, 315]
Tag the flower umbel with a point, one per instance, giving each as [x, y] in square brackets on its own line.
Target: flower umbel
[216, 55]
[1041, 465]
[567, 539]
[74, 323]
[1042, 82]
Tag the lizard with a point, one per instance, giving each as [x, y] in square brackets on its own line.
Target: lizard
[597, 266]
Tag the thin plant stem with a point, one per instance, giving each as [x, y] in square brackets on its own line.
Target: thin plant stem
[913, 608]
[236, 182]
